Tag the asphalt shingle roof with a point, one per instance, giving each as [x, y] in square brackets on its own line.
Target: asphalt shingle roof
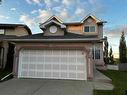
[66, 36]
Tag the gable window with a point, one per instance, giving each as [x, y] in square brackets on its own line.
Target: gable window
[89, 29]
[1, 31]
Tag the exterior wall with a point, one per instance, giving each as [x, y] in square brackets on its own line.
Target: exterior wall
[79, 28]
[100, 31]
[75, 28]
[60, 32]
[18, 31]
[86, 23]
[84, 46]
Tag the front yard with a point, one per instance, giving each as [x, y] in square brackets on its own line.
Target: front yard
[119, 80]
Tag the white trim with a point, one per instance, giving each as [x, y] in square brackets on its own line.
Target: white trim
[94, 17]
[44, 24]
[56, 18]
[51, 40]
[62, 58]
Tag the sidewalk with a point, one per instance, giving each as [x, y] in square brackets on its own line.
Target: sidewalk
[102, 82]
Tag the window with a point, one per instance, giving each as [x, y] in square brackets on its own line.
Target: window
[93, 52]
[1, 31]
[89, 29]
[96, 52]
[92, 28]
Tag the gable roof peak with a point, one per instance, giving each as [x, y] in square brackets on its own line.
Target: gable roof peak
[92, 16]
[43, 25]
[55, 17]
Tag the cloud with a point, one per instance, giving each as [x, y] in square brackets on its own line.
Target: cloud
[79, 11]
[34, 11]
[4, 17]
[51, 3]
[28, 1]
[116, 32]
[25, 19]
[64, 14]
[33, 1]
[93, 1]
[13, 9]
[68, 2]
[37, 1]
[43, 15]
[68, 10]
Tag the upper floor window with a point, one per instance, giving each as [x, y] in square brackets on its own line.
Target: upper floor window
[1, 31]
[89, 29]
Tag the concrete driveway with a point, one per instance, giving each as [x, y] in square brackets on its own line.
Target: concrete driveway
[45, 87]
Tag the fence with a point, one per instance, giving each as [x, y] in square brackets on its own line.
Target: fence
[120, 66]
[113, 67]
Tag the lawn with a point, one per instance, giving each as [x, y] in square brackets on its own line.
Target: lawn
[119, 80]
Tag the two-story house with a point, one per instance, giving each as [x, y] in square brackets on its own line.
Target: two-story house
[10, 31]
[61, 51]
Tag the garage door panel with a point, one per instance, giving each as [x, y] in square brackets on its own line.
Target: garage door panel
[55, 64]
[64, 67]
[40, 66]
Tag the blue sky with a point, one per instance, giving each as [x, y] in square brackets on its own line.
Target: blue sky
[33, 12]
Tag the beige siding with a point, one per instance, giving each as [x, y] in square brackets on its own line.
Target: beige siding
[18, 31]
[75, 28]
[100, 31]
[79, 29]
[92, 23]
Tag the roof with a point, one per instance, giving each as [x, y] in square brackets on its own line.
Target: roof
[53, 17]
[15, 25]
[42, 26]
[92, 16]
[3, 37]
[67, 37]
[73, 23]
[85, 18]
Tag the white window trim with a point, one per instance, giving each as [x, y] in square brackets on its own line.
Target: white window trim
[89, 28]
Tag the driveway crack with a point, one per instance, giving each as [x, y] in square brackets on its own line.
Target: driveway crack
[38, 88]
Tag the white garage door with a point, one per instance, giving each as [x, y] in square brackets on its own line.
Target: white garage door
[54, 64]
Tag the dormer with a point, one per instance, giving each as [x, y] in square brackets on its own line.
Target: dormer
[89, 25]
[53, 27]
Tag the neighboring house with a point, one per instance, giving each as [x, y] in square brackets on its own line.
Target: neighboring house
[61, 51]
[10, 31]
